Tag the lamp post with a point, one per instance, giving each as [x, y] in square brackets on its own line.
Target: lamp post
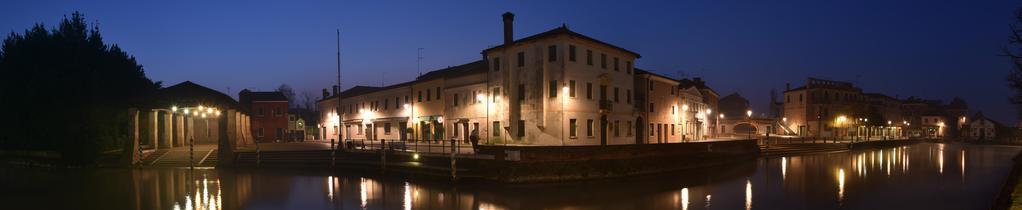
[887, 131]
[684, 122]
[748, 114]
[709, 112]
[841, 120]
[564, 100]
[717, 127]
[784, 122]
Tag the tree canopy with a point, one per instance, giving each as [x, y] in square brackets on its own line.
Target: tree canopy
[67, 90]
[1014, 51]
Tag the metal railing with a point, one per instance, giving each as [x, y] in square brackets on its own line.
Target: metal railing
[420, 146]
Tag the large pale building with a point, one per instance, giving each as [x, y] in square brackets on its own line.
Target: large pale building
[557, 87]
[814, 109]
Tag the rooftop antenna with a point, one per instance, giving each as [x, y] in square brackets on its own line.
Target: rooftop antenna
[418, 62]
[381, 78]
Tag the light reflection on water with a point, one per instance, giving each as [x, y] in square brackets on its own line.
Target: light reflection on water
[826, 181]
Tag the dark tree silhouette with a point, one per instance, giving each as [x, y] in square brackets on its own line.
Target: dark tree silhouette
[289, 93]
[1014, 51]
[65, 90]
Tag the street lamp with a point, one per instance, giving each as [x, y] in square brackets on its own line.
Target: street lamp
[564, 100]
[719, 118]
[684, 122]
[709, 112]
[748, 114]
[841, 120]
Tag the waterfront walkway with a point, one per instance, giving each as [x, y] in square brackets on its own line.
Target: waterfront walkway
[204, 155]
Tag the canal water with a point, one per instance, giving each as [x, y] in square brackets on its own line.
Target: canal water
[921, 176]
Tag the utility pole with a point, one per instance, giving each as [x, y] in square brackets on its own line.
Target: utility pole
[337, 93]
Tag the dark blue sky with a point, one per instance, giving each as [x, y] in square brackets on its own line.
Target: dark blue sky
[930, 49]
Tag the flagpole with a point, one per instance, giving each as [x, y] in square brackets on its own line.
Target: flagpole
[337, 109]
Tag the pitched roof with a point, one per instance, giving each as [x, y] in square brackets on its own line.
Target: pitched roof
[879, 95]
[188, 93]
[980, 116]
[453, 71]
[796, 89]
[562, 30]
[246, 96]
[642, 71]
[359, 90]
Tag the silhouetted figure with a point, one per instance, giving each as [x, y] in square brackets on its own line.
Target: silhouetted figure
[474, 138]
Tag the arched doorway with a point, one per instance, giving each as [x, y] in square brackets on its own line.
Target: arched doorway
[744, 128]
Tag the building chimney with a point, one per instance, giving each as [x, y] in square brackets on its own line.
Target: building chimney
[325, 93]
[335, 90]
[787, 86]
[509, 27]
[514, 108]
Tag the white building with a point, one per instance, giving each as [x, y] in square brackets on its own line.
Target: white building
[557, 87]
[982, 128]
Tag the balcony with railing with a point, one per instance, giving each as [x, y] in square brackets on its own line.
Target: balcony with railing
[606, 105]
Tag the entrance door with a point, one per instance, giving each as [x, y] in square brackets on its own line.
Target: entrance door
[659, 133]
[640, 131]
[466, 132]
[402, 131]
[603, 129]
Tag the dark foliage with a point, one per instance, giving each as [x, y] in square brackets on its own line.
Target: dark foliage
[1014, 51]
[67, 91]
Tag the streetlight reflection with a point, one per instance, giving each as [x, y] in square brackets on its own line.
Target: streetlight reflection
[840, 185]
[748, 194]
[684, 198]
[784, 168]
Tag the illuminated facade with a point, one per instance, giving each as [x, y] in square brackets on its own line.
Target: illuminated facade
[834, 109]
[557, 87]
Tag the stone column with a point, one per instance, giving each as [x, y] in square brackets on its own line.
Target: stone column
[227, 136]
[247, 128]
[179, 130]
[240, 126]
[166, 131]
[131, 155]
[151, 123]
[189, 130]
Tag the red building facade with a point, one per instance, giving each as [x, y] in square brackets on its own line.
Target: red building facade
[269, 114]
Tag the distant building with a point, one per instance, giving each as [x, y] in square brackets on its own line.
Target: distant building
[733, 106]
[983, 129]
[930, 119]
[301, 124]
[295, 127]
[269, 119]
[933, 126]
[827, 108]
[696, 94]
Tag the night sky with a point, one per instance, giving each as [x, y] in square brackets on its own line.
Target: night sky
[929, 49]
